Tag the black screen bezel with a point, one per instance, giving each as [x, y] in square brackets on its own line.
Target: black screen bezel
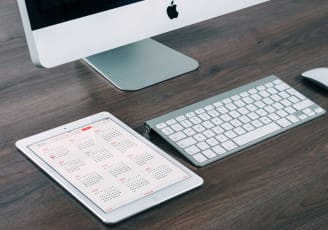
[41, 18]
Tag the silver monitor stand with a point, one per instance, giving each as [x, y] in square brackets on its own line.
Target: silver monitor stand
[141, 64]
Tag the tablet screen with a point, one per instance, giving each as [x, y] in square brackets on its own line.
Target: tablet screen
[108, 164]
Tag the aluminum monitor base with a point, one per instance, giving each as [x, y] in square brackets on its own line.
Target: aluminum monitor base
[141, 64]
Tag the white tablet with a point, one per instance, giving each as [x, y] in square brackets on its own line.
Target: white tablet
[107, 166]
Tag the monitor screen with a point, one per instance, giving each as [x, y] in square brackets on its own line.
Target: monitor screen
[44, 13]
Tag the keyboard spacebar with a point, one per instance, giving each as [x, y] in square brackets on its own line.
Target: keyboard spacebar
[252, 136]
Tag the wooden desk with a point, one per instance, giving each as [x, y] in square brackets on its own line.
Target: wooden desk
[281, 183]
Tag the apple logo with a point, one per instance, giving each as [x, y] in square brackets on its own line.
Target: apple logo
[172, 11]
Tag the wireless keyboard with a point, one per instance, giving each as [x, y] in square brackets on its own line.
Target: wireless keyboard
[227, 123]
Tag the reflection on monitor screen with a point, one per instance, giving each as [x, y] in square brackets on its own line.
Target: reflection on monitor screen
[45, 13]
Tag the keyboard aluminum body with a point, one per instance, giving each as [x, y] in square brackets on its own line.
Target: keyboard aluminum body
[217, 127]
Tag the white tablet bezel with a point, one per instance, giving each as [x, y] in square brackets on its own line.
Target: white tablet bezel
[127, 210]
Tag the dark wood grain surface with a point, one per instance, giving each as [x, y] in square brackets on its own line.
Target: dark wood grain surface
[281, 183]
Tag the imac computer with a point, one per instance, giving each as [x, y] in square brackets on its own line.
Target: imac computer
[112, 36]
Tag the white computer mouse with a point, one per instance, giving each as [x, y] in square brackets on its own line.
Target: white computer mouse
[318, 76]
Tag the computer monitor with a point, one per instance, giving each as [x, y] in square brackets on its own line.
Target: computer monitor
[112, 36]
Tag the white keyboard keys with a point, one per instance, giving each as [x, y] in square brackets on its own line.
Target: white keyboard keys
[283, 122]
[199, 111]
[253, 116]
[264, 94]
[309, 112]
[226, 117]
[261, 112]
[181, 118]
[278, 106]
[248, 127]
[186, 123]
[227, 126]
[209, 107]
[239, 103]
[200, 137]
[251, 107]
[217, 121]
[243, 111]
[276, 98]
[293, 118]
[268, 101]
[256, 97]
[274, 116]
[212, 142]
[195, 120]
[208, 133]
[284, 95]
[230, 134]
[290, 110]
[235, 98]
[187, 142]
[231, 106]
[265, 120]
[218, 130]
[272, 91]
[286, 103]
[229, 145]
[199, 128]
[191, 114]
[192, 150]
[209, 154]
[234, 114]
[211, 131]
[204, 116]
[302, 117]
[218, 104]
[177, 127]
[319, 110]
[236, 123]
[294, 99]
[248, 100]
[258, 133]
[161, 126]
[257, 123]
[200, 158]
[213, 113]
[189, 132]
[303, 105]
[177, 136]
[203, 145]
[239, 131]
[260, 104]
[226, 101]
[295, 93]
[222, 110]
[207, 124]
[171, 122]
[244, 94]
[282, 113]
[244, 119]
[221, 138]
[167, 131]
[277, 82]
[219, 150]
[269, 109]
[260, 88]
[282, 87]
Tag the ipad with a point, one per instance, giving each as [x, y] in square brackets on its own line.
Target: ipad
[108, 167]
